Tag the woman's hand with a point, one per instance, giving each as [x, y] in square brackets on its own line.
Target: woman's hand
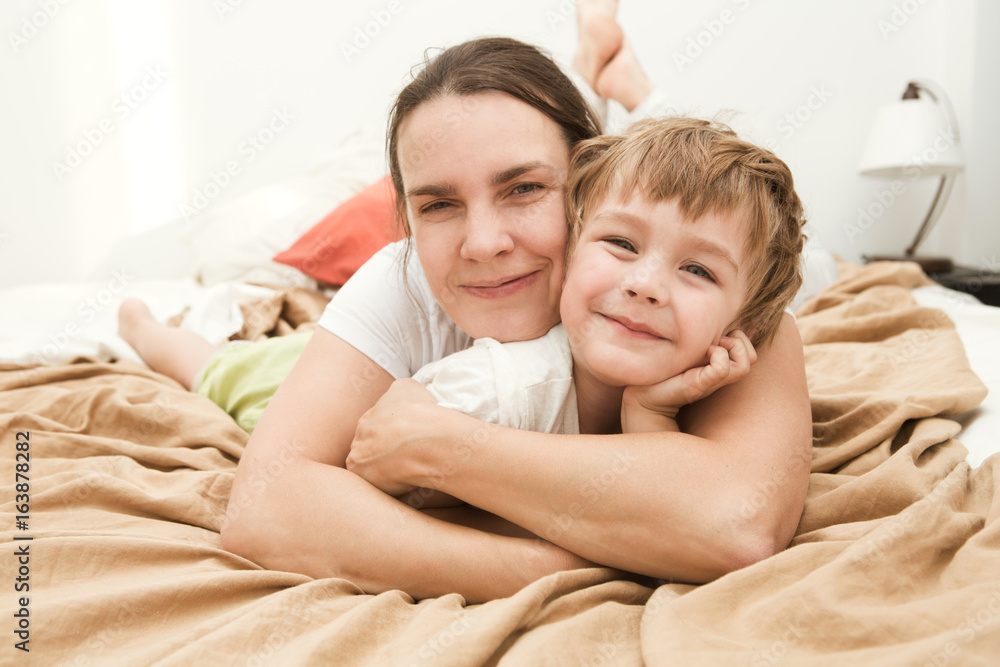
[655, 407]
[388, 434]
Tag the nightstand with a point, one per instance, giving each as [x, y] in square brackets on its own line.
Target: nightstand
[980, 283]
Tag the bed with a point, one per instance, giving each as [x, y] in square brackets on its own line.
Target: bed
[116, 542]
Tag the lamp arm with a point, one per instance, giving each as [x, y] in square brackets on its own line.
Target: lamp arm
[948, 180]
[937, 206]
[938, 95]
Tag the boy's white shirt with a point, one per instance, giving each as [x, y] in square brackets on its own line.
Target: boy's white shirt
[525, 385]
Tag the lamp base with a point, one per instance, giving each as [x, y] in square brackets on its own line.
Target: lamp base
[928, 264]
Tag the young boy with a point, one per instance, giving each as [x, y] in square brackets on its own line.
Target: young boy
[682, 238]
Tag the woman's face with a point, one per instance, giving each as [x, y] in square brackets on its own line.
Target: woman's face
[483, 176]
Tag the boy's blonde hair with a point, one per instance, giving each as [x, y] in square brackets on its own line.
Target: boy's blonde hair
[707, 168]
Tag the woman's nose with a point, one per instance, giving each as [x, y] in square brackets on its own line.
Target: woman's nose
[486, 236]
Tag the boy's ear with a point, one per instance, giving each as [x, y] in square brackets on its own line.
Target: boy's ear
[749, 328]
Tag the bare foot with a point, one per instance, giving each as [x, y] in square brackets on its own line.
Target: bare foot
[133, 315]
[623, 79]
[174, 352]
[600, 38]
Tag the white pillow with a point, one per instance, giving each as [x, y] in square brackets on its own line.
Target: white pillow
[236, 242]
[819, 269]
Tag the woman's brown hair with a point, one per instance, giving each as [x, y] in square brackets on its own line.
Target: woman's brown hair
[490, 64]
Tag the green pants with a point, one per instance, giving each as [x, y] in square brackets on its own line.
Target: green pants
[242, 376]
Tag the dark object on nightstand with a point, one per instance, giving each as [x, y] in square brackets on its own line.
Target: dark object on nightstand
[980, 283]
[928, 264]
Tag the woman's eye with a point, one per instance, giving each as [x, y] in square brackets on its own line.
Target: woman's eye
[435, 206]
[525, 188]
[624, 244]
[699, 271]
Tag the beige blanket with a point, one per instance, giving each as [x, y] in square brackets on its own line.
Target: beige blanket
[896, 560]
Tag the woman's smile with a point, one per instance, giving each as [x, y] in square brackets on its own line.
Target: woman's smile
[499, 289]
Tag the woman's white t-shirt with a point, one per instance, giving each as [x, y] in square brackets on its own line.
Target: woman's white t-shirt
[397, 324]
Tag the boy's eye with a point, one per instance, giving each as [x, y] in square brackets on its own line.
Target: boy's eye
[624, 244]
[699, 271]
[525, 188]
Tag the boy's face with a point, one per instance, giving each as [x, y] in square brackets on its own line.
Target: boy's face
[648, 292]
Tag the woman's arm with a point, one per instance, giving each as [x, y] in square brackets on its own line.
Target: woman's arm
[682, 506]
[294, 507]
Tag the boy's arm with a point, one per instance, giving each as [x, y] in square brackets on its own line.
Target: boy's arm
[654, 408]
[637, 419]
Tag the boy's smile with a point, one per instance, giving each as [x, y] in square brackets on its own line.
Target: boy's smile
[649, 291]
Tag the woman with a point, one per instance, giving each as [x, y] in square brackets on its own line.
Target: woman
[478, 147]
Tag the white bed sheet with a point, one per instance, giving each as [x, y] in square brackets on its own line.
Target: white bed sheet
[978, 326]
[53, 323]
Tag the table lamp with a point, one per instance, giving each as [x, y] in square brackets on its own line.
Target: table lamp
[913, 138]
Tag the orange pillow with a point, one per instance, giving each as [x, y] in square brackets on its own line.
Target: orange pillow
[341, 242]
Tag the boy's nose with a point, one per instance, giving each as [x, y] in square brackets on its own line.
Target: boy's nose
[647, 282]
[641, 294]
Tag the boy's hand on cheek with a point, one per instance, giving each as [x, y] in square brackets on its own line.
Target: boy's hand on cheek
[655, 407]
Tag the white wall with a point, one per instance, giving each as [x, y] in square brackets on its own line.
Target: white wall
[199, 78]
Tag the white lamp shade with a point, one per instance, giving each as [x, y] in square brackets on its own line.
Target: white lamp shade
[911, 138]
